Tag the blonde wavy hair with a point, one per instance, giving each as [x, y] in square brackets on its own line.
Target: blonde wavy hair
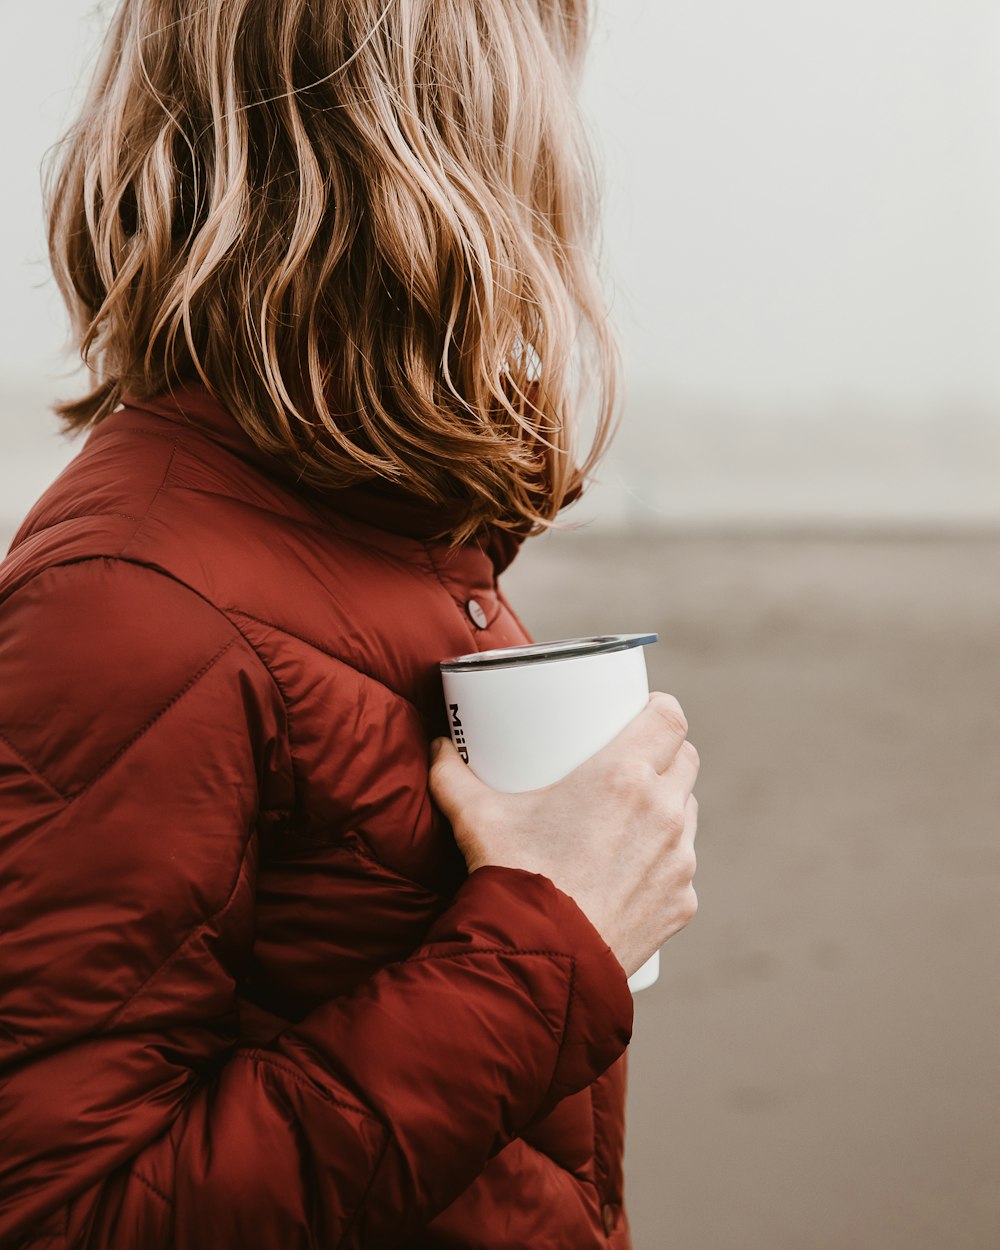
[368, 227]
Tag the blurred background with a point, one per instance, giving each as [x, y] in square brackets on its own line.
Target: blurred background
[802, 247]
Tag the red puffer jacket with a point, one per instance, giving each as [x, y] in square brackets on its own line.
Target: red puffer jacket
[249, 997]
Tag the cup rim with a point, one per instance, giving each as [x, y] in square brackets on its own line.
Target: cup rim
[540, 652]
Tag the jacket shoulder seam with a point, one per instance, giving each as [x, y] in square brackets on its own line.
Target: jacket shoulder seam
[309, 642]
[156, 571]
[158, 715]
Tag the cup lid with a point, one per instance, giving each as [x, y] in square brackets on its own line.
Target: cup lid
[539, 652]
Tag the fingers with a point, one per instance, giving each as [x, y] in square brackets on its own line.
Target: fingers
[685, 849]
[683, 771]
[656, 734]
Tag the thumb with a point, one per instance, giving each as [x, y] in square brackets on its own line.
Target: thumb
[452, 782]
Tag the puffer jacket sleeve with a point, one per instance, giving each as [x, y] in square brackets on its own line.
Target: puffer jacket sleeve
[137, 733]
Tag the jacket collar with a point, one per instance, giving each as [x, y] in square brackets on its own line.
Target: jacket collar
[382, 504]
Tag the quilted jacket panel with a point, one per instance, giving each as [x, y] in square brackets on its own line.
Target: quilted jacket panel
[248, 995]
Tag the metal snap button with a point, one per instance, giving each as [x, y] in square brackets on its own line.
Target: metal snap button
[475, 611]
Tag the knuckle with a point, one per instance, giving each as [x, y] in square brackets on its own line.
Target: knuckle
[668, 708]
[691, 751]
[690, 905]
[627, 778]
[672, 817]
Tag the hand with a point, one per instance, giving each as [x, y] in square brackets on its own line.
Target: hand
[616, 834]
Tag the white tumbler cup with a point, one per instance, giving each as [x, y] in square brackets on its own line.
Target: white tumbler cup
[522, 717]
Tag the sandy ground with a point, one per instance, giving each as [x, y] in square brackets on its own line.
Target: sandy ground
[818, 1067]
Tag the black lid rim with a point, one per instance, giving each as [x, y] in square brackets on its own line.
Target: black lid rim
[542, 652]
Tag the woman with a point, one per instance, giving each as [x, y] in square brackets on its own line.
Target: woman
[327, 263]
